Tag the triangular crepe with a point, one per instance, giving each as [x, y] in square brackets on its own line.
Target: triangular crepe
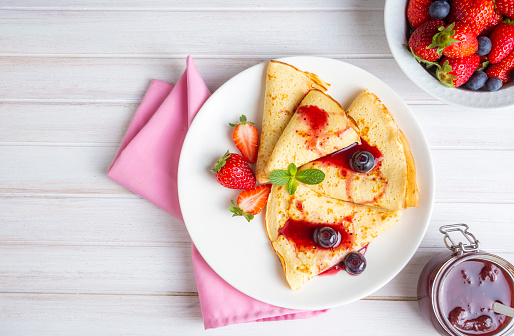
[318, 127]
[292, 219]
[392, 182]
[286, 86]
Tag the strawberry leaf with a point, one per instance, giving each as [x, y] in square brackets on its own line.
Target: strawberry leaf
[444, 76]
[443, 39]
[242, 121]
[428, 64]
[484, 65]
[237, 211]
[310, 176]
[221, 162]
[279, 177]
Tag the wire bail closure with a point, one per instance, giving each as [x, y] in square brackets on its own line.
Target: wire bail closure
[470, 246]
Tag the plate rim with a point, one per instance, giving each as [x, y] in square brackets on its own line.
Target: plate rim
[429, 170]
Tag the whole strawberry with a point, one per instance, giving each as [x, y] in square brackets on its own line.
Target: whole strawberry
[476, 13]
[422, 38]
[506, 7]
[502, 40]
[456, 40]
[233, 172]
[503, 69]
[495, 20]
[417, 12]
[454, 72]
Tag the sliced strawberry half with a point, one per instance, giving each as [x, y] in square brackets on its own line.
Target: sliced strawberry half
[251, 202]
[246, 138]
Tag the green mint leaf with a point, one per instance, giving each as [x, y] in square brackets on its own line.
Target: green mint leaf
[291, 186]
[310, 176]
[292, 169]
[279, 177]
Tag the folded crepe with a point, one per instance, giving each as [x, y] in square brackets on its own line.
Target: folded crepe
[286, 86]
[391, 184]
[292, 219]
[317, 128]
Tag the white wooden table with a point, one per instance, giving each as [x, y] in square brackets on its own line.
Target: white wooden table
[81, 255]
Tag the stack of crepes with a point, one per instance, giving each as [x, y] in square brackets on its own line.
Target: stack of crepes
[303, 125]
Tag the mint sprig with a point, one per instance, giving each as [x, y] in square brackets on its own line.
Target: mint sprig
[292, 175]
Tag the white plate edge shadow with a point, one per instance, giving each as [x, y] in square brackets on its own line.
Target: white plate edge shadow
[427, 193]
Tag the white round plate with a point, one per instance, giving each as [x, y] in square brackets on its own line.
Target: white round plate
[395, 23]
[240, 251]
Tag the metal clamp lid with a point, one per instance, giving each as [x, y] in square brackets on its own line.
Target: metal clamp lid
[460, 247]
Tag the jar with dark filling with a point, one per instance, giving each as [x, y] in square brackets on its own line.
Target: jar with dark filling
[458, 288]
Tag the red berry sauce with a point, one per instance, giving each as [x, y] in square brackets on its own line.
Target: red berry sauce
[315, 117]
[467, 298]
[342, 157]
[317, 121]
[340, 266]
[301, 233]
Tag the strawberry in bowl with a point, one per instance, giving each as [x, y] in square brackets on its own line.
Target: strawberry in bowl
[454, 30]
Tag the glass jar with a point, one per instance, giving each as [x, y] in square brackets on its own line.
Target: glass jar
[458, 287]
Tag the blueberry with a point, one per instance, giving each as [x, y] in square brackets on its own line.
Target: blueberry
[354, 263]
[362, 161]
[493, 84]
[477, 80]
[484, 45]
[327, 237]
[439, 9]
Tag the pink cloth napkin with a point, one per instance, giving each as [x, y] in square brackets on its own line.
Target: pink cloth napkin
[147, 164]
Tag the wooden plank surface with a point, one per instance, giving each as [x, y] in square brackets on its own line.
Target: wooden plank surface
[280, 33]
[124, 80]
[180, 315]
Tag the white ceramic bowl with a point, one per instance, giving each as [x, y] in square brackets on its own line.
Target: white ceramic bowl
[395, 22]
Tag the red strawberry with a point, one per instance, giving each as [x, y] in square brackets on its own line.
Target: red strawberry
[454, 72]
[417, 12]
[495, 20]
[502, 41]
[476, 13]
[250, 202]
[421, 39]
[246, 138]
[503, 69]
[506, 7]
[456, 40]
[232, 171]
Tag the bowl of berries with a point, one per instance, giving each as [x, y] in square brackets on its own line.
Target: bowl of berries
[460, 52]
